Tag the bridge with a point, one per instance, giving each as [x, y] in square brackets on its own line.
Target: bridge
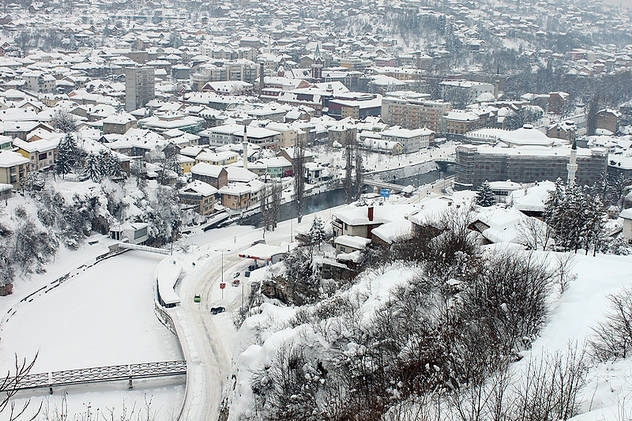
[384, 185]
[102, 374]
[129, 246]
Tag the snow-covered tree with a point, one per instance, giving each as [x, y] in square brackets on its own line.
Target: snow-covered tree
[317, 232]
[64, 121]
[66, 155]
[110, 165]
[485, 195]
[93, 168]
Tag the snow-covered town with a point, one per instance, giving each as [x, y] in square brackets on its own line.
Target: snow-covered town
[334, 210]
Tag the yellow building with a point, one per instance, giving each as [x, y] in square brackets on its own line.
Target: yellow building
[186, 163]
[13, 168]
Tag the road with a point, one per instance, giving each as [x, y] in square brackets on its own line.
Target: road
[210, 364]
[433, 188]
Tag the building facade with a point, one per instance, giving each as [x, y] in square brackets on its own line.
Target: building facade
[139, 87]
[414, 113]
[477, 164]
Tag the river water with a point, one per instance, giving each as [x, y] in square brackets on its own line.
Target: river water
[336, 197]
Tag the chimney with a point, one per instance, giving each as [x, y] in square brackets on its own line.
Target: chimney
[370, 213]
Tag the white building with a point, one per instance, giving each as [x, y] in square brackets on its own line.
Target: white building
[411, 140]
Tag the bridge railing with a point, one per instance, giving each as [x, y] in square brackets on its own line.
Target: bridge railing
[102, 374]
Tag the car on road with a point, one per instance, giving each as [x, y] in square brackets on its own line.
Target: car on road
[235, 283]
[258, 242]
[236, 274]
[217, 310]
[196, 299]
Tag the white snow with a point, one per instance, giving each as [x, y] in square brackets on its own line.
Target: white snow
[104, 316]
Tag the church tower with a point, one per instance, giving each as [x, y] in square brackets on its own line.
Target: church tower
[317, 65]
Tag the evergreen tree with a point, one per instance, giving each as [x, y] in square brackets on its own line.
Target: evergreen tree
[485, 196]
[317, 232]
[94, 168]
[66, 155]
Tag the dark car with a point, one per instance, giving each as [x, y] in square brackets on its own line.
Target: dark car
[217, 310]
[258, 242]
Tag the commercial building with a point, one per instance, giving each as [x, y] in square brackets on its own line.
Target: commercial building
[527, 164]
[412, 113]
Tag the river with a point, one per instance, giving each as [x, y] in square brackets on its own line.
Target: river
[336, 197]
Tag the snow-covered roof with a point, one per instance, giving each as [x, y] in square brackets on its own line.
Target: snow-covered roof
[197, 187]
[352, 241]
[204, 169]
[626, 214]
[11, 159]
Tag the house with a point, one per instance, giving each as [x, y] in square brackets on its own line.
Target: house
[272, 167]
[315, 173]
[235, 196]
[41, 154]
[565, 130]
[217, 158]
[626, 215]
[118, 123]
[199, 194]
[356, 221]
[608, 119]
[130, 232]
[186, 163]
[502, 190]
[350, 243]
[13, 168]
[214, 175]
[411, 140]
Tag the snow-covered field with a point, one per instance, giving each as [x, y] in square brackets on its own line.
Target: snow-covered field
[104, 316]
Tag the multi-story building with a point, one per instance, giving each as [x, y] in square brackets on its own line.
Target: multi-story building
[526, 164]
[466, 91]
[13, 168]
[200, 195]
[139, 87]
[411, 140]
[458, 122]
[414, 113]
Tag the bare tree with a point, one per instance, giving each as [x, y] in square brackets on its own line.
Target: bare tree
[358, 172]
[299, 179]
[613, 337]
[563, 271]
[347, 182]
[64, 121]
[270, 203]
[9, 387]
[534, 234]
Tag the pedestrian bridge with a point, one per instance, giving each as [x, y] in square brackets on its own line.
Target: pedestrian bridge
[129, 246]
[102, 374]
[384, 185]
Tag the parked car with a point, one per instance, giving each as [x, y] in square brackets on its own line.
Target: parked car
[217, 310]
[196, 299]
[235, 283]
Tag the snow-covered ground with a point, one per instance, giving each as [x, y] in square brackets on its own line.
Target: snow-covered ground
[104, 316]
[608, 391]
